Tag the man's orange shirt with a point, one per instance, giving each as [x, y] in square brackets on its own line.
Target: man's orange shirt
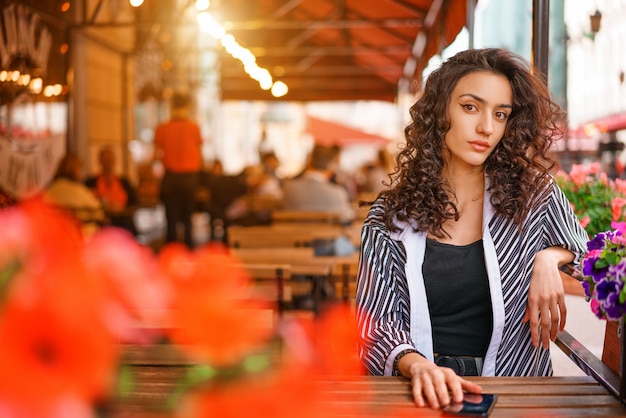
[181, 143]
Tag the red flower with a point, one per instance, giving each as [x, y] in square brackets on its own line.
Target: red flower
[330, 344]
[35, 234]
[136, 293]
[54, 347]
[213, 316]
[53, 341]
[281, 395]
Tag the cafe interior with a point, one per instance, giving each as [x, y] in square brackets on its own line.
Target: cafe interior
[256, 318]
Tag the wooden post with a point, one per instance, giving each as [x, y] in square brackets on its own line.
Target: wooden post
[540, 36]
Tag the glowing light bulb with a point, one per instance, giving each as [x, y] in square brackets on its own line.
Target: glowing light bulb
[202, 5]
[279, 89]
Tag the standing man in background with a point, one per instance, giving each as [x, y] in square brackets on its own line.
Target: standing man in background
[178, 146]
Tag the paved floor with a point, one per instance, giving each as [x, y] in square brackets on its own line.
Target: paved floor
[586, 328]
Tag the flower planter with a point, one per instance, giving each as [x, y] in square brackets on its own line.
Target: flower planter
[613, 354]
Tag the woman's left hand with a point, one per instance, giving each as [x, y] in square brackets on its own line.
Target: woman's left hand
[546, 309]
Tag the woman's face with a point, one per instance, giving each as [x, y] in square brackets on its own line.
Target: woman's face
[479, 108]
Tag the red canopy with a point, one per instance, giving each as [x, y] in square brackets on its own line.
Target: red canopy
[331, 133]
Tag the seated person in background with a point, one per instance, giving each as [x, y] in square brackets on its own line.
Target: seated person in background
[313, 190]
[115, 192]
[67, 191]
[262, 180]
[340, 177]
[263, 193]
[224, 191]
[375, 173]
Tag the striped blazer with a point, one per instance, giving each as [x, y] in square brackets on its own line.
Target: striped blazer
[392, 307]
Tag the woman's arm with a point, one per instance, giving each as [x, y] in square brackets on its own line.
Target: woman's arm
[433, 385]
[546, 309]
[565, 242]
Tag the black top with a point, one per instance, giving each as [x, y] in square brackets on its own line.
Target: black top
[457, 288]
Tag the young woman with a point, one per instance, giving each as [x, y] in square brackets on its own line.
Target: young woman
[460, 257]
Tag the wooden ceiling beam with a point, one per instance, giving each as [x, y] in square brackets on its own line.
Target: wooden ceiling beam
[316, 24]
[326, 70]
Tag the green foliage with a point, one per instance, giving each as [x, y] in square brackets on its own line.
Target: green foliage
[592, 195]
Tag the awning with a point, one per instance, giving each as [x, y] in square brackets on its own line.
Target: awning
[337, 50]
[610, 123]
[329, 133]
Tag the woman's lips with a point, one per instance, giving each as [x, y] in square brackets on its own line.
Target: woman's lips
[479, 146]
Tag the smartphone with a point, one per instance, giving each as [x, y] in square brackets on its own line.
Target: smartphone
[473, 404]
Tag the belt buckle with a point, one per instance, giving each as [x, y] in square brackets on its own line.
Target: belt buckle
[461, 365]
[455, 363]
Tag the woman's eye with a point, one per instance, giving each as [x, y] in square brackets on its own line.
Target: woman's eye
[469, 107]
[502, 115]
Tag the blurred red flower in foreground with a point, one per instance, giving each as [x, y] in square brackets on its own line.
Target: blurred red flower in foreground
[53, 340]
[137, 294]
[213, 315]
[67, 303]
[273, 395]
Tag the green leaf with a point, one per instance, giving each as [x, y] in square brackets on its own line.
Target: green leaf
[6, 274]
[200, 373]
[256, 363]
[126, 381]
[622, 295]
[600, 264]
[612, 258]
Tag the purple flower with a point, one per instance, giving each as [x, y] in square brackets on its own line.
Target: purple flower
[587, 288]
[612, 308]
[589, 266]
[604, 268]
[597, 242]
[619, 271]
[605, 288]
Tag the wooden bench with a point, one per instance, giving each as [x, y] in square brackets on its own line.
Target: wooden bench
[271, 282]
[308, 272]
[294, 234]
[285, 215]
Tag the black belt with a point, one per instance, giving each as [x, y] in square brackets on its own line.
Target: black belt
[463, 366]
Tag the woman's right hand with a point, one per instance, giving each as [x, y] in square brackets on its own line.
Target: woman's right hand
[433, 385]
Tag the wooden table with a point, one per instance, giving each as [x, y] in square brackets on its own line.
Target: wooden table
[517, 397]
[158, 368]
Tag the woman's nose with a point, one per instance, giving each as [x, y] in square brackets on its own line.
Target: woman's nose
[485, 125]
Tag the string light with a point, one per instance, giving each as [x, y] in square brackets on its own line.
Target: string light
[208, 24]
[202, 5]
[279, 89]
[211, 26]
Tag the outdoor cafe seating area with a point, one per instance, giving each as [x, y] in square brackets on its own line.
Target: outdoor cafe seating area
[293, 257]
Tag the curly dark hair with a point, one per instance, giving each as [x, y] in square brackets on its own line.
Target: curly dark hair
[518, 168]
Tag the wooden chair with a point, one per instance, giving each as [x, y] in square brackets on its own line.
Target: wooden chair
[314, 271]
[344, 275]
[610, 370]
[271, 282]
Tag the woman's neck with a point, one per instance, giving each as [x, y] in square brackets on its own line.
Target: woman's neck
[467, 184]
